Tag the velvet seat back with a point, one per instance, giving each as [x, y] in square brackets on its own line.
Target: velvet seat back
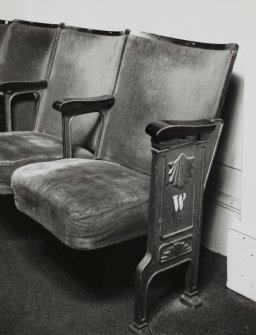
[162, 79]
[28, 57]
[29, 50]
[85, 65]
[4, 26]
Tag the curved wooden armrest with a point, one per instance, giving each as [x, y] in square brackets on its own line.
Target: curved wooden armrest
[168, 130]
[23, 85]
[83, 106]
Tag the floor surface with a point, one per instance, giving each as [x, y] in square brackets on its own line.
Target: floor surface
[47, 288]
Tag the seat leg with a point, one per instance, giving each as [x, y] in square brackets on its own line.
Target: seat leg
[190, 298]
[144, 273]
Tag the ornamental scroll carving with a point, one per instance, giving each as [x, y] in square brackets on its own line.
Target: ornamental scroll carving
[181, 170]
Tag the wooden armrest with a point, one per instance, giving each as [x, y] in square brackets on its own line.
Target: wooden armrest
[23, 85]
[83, 106]
[167, 130]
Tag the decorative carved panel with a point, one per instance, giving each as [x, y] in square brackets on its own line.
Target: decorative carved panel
[180, 178]
[181, 170]
[174, 249]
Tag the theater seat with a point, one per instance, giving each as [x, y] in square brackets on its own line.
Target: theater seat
[167, 89]
[90, 69]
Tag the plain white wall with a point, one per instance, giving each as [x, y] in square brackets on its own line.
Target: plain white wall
[216, 21]
[14, 9]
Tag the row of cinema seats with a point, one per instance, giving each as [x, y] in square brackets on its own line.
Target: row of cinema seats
[40, 64]
[105, 89]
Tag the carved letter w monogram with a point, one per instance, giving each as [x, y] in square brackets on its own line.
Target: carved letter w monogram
[179, 201]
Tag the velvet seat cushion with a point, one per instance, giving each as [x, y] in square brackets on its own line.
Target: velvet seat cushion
[86, 203]
[20, 148]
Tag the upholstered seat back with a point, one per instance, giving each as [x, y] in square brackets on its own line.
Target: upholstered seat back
[28, 56]
[4, 25]
[162, 79]
[85, 65]
[29, 50]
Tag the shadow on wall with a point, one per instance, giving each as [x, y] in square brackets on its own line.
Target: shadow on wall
[225, 176]
[222, 202]
[229, 149]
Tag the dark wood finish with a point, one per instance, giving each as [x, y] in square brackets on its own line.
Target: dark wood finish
[13, 89]
[23, 85]
[70, 108]
[10, 96]
[38, 24]
[67, 135]
[166, 130]
[174, 224]
[83, 106]
[194, 44]
[98, 32]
